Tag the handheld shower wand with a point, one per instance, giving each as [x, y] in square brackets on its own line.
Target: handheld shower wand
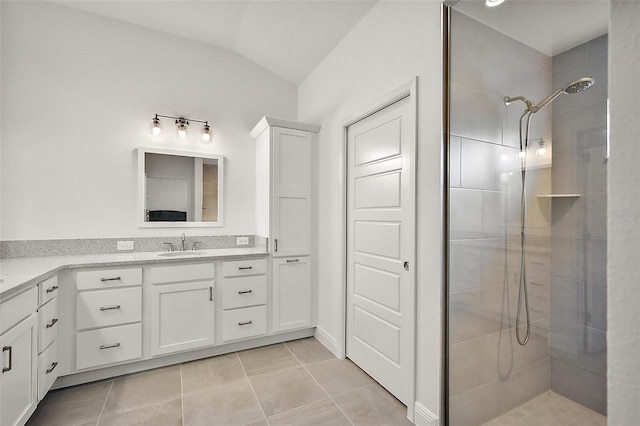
[577, 86]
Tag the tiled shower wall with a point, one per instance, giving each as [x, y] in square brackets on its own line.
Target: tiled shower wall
[490, 373]
[579, 245]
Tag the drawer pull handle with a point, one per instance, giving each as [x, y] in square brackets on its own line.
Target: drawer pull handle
[245, 291]
[52, 289]
[210, 294]
[245, 268]
[10, 349]
[53, 367]
[110, 279]
[109, 308]
[52, 323]
[245, 323]
[293, 260]
[115, 345]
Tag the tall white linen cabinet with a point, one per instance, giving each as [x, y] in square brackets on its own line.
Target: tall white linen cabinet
[285, 216]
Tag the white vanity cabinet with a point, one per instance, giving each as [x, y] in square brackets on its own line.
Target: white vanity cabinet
[19, 344]
[48, 324]
[284, 212]
[108, 316]
[182, 307]
[244, 298]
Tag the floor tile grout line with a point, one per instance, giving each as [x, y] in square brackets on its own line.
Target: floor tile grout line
[105, 402]
[321, 387]
[252, 389]
[181, 395]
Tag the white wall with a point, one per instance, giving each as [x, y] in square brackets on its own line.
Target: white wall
[78, 95]
[392, 44]
[623, 268]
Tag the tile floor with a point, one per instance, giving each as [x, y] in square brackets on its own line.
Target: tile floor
[293, 383]
[549, 409]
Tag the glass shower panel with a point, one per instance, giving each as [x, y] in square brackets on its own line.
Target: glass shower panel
[560, 312]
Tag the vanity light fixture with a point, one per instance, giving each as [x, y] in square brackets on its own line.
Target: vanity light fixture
[156, 129]
[182, 127]
[541, 148]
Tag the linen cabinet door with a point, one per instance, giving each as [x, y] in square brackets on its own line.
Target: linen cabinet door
[292, 294]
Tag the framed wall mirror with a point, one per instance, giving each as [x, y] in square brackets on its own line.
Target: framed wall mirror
[179, 188]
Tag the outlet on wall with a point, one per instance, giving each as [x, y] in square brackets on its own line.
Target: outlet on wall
[125, 245]
[242, 241]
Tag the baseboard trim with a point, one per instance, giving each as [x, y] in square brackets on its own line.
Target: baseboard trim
[328, 341]
[163, 361]
[424, 417]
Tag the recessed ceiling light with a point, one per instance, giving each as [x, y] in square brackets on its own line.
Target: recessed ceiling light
[493, 3]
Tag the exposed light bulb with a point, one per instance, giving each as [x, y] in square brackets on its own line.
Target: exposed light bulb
[541, 148]
[182, 125]
[156, 129]
[493, 3]
[206, 133]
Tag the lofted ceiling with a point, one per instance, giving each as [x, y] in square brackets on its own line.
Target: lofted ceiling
[287, 37]
[291, 37]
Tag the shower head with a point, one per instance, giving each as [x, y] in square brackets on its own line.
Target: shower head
[578, 86]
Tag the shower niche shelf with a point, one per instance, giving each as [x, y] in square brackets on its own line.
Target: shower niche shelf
[559, 195]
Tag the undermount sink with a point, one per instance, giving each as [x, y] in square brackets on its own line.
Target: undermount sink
[181, 253]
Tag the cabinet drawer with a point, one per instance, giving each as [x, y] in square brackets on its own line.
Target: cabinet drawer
[244, 267]
[47, 369]
[108, 307]
[241, 292]
[181, 273]
[108, 345]
[48, 324]
[47, 290]
[17, 308]
[108, 278]
[243, 323]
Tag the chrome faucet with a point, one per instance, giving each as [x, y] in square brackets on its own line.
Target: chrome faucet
[183, 247]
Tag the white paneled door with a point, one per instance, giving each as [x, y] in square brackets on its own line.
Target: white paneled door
[381, 246]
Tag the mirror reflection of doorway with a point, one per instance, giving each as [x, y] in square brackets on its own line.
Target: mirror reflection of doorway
[209, 192]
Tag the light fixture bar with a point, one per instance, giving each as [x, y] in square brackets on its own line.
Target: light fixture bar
[181, 118]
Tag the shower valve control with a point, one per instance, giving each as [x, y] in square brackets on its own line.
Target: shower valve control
[406, 266]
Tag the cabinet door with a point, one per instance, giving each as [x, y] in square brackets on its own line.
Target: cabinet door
[18, 379]
[292, 192]
[181, 317]
[292, 293]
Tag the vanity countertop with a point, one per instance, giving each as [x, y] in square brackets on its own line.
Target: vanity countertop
[19, 273]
